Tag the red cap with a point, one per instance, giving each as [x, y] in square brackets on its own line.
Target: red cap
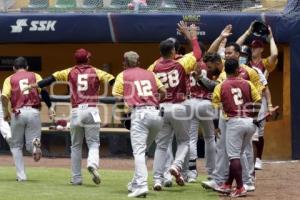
[82, 55]
[257, 44]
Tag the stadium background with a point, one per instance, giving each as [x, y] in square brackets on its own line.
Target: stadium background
[109, 34]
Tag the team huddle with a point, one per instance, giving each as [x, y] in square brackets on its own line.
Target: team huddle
[223, 91]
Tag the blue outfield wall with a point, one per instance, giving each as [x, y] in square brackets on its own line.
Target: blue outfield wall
[112, 27]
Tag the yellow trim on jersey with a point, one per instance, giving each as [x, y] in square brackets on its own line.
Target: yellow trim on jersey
[254, 78]
[118, 89]
[37, 79]
[188, 62]
[268, 66]
[62, 75]
[256, 97]
[216, 97]
[103, 76]
[6, 90]
[158, 82]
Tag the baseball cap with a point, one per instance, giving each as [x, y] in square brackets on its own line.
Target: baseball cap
[257, 44]
[82, 55]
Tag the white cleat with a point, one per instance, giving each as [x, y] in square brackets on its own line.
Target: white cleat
[131, 187]
[139, 192]
[191, 180]
[258, 164]
[37, 152]
[157, 187]
[249, 188]
[209, 184]
[95, 175]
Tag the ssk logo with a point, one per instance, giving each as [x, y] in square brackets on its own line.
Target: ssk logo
[34, 25]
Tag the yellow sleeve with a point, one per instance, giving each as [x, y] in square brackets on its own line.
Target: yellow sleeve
[158, 82]
[254, 78]
[62, 75]
[6, 90]
[38, 78]
[270, 67]
[118, 89]
[104, 76]
[188, 62]
[254, 93]
[222, 77]
[216, 97]
[151, 67]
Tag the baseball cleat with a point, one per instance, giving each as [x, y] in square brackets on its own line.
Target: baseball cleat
[224, 189]
[168, 183]
[76, 183]
[209, 184]
[249, 188]
[37, 152]
[139, 192]
[191, 180]
[157, 187]
[258, 164]
[95, 175]
[176, 173]
[238, 193]
[131, 187]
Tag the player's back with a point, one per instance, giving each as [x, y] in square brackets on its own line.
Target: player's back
[140, 87]
[173, 76]
[19, 98]
[84, 85]
[236, 97]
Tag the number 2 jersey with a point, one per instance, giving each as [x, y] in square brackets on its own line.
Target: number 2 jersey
[84, 83]
[138, 87]
[236, 96]
[13, 89]
[173, 74]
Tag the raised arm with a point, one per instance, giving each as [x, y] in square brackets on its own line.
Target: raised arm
[224, 34]
[246, 34]
[273, 49]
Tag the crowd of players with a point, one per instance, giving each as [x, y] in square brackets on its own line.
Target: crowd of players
[224, 91]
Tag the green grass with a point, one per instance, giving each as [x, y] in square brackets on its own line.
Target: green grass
[53, 184]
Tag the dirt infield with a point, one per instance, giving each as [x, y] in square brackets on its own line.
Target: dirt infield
[278, 180]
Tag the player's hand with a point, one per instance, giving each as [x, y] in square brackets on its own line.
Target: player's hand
[7, 116]
[273, 112]
[226, 31]
[51, 113]
[183, 28]
[250, 29]
[194, 31]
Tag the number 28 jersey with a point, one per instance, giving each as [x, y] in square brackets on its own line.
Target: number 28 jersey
[173, 74]
[13, 89]
[236, 96]
[84, 83]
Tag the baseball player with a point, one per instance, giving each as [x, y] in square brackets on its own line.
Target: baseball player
[172, 74]
[232, 50]
[266, 65]
[141, 92]
[236, 95]
[4, 126]
[25, 117]
[202, 113]
[84, 81]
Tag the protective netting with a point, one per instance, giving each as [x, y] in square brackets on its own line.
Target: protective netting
[144, 5]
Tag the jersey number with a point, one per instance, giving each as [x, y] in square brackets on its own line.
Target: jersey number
[82, 82]
[237, 96]
[193, 81]
[144, 88]
[24, 83]
[170, 79]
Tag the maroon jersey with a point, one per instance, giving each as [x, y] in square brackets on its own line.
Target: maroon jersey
[20, 98]
[197, 90]
[140, 87]
[84, 85]
[173, 76]
[236, 98]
